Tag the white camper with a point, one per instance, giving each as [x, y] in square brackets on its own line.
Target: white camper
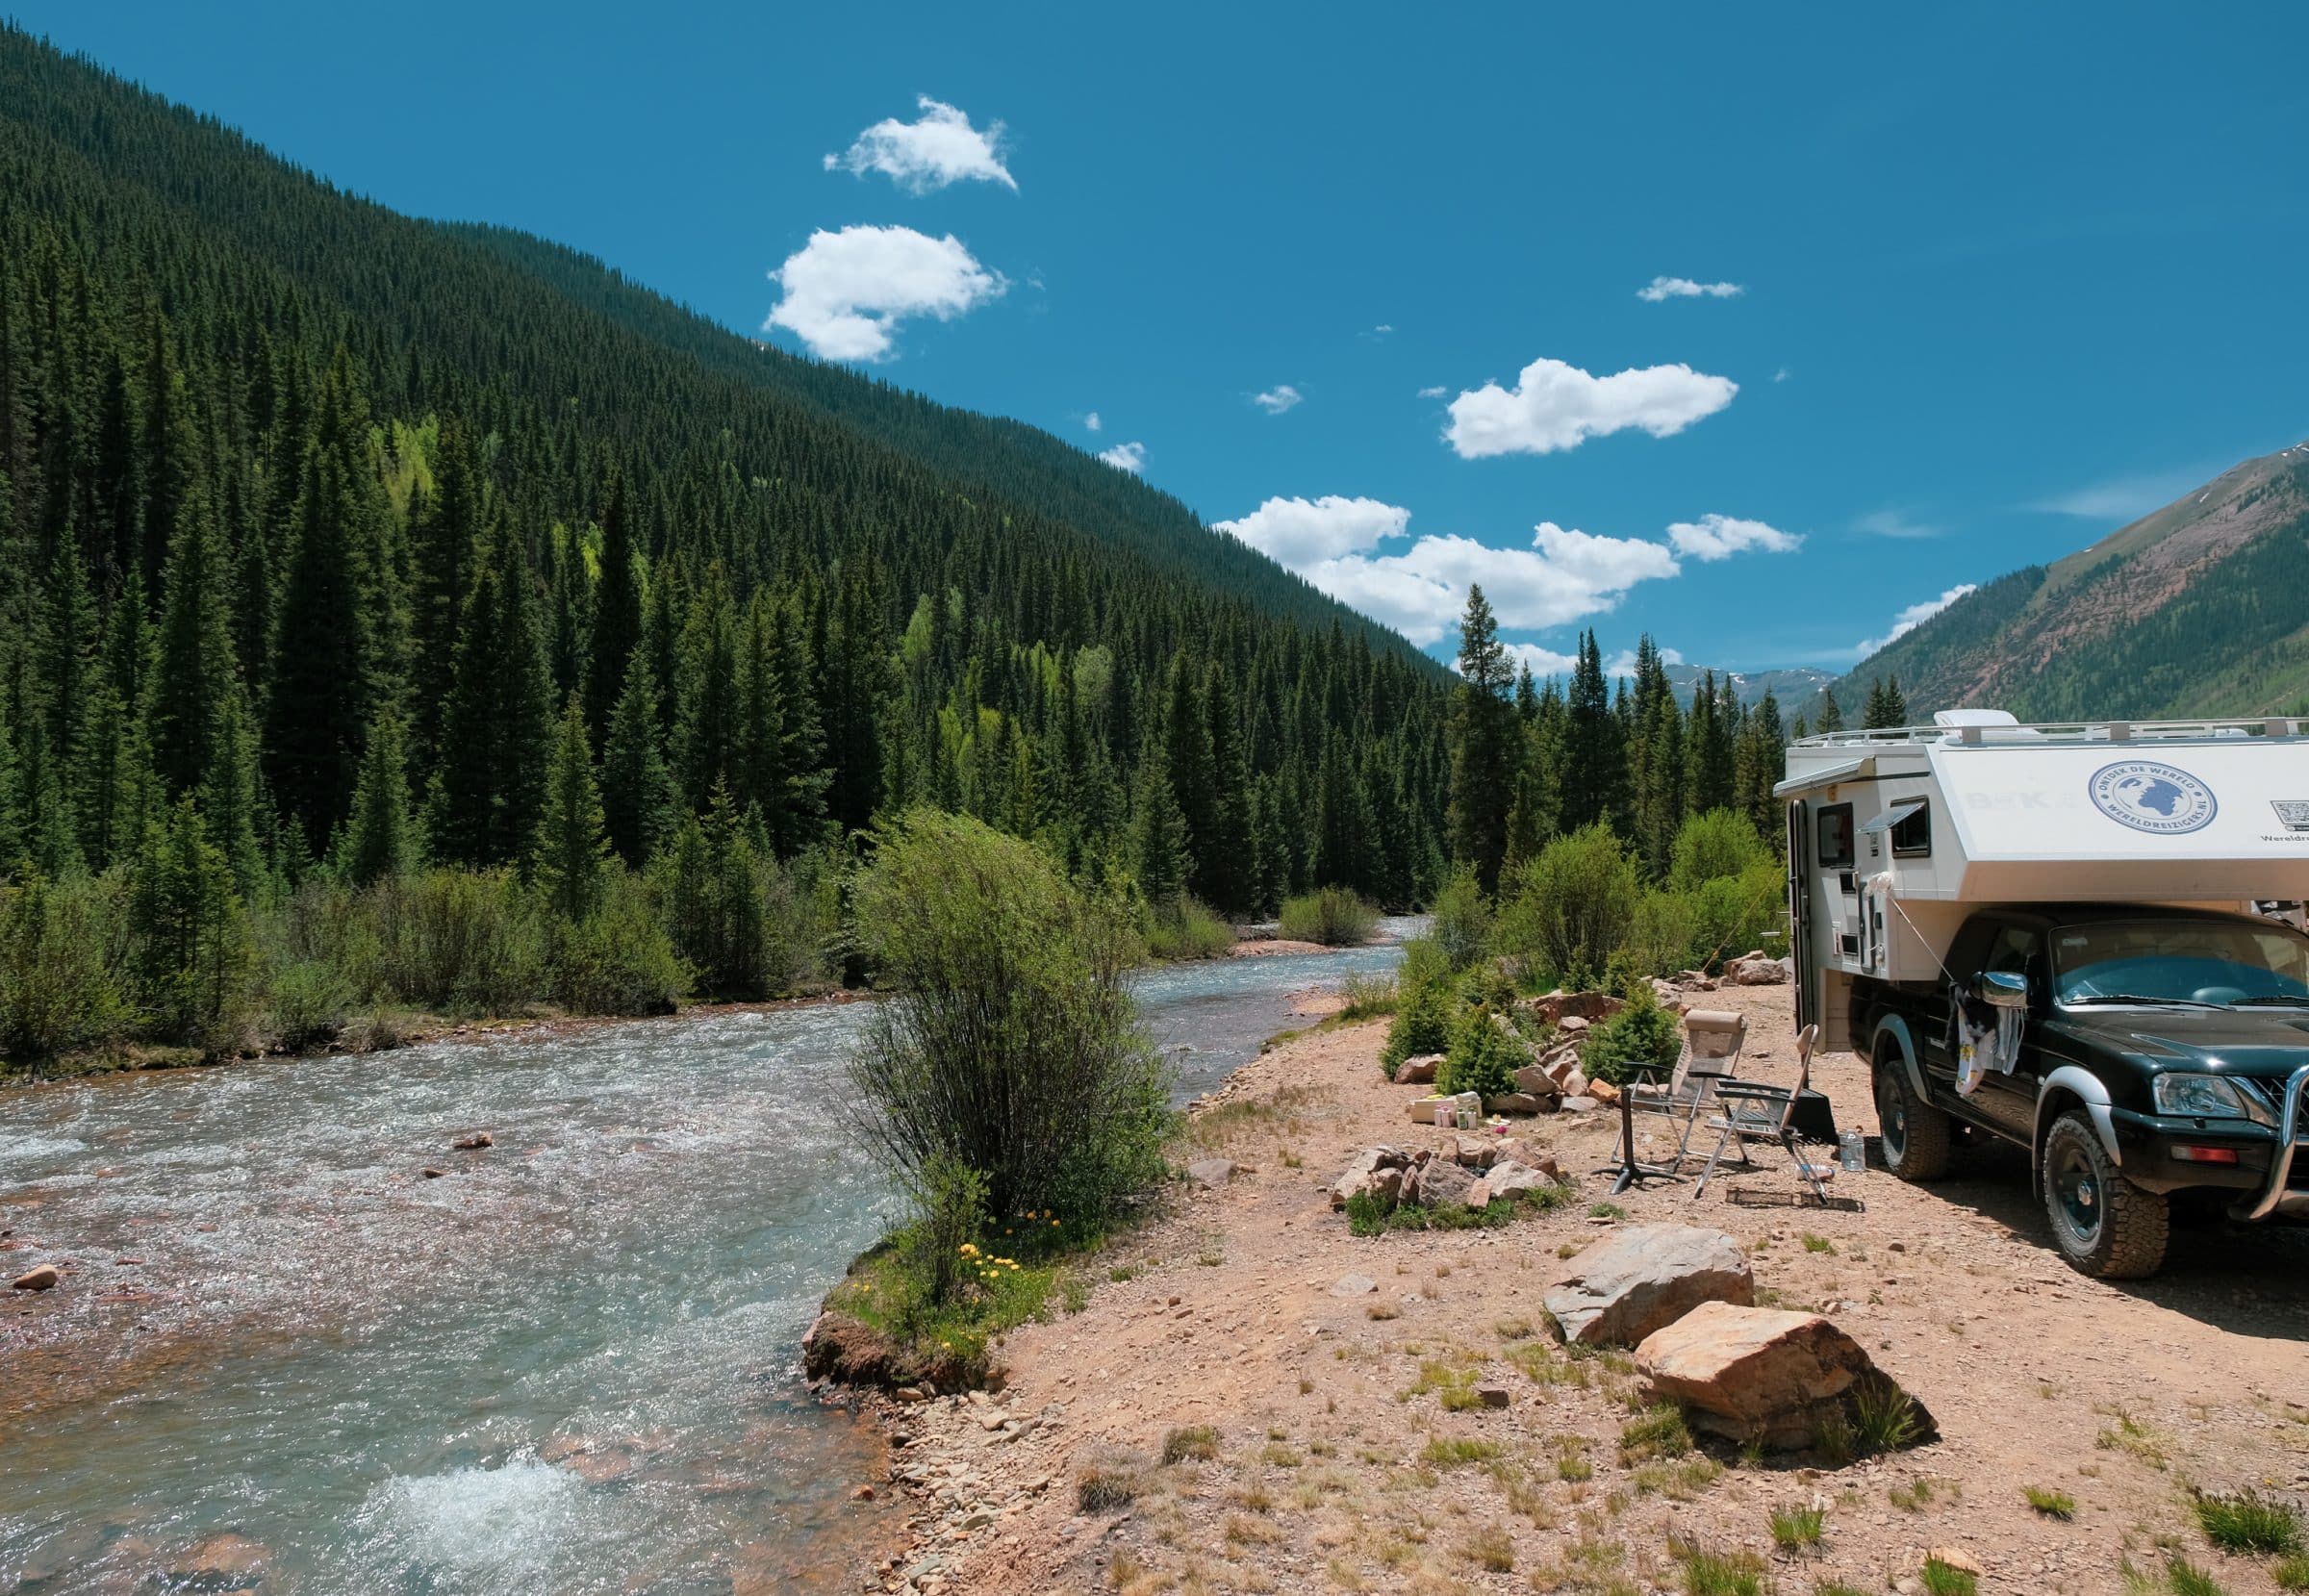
[1895, 836]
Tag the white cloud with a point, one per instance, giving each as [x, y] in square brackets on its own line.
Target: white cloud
[1914, 616]
[1435, 392]
[846, 292]
[1091, 422]
[1544, 662]
[1896, 523]
[928, 155]
[1555, 405]
[1781, 376]
[2123, 498]
[1125, 457]
[1684, 287]
[1623, 663]
[1720, 537]
[1278, 399]
[1299, 533]
[1383, 328]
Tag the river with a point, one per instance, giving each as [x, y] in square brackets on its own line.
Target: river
[567, 1363]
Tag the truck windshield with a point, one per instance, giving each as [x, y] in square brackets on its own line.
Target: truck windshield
[2181, 961]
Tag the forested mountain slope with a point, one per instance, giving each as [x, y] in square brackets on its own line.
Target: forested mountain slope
[2201, 608]
[282, 473]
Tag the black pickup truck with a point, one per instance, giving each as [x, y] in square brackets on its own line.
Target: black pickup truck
[2161, 1073]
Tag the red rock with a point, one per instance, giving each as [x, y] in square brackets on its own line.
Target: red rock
[1756, 1373]
[42, 1279]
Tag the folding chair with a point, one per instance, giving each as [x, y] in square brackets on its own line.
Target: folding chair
[1754, 1113]
[1713, 1038]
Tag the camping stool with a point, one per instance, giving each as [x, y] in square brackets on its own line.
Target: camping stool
[1754, 1112]
[1713, 1040]
[1631, 1170]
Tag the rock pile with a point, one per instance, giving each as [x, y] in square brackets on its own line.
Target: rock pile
[1473, 1171]
[1756, 969]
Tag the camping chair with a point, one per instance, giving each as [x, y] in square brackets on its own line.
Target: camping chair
[1754, 1112]
[1713, 1038]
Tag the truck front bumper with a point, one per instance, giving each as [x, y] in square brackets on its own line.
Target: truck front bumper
[2269, 1178]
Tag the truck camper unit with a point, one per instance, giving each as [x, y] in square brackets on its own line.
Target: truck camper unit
[1896, 837]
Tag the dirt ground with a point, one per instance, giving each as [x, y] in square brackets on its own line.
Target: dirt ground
[1335, 1463]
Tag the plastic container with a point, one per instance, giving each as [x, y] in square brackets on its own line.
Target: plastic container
[1852, 1152]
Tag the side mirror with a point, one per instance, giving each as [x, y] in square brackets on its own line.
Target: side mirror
[2001, 988]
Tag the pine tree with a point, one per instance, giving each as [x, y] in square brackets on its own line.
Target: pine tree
[1831, 717]
[616, 610]
[1655, 761]
[1187, 761]
[379, 840]
[498, 725]
[444, 531]
[229, 803]
[1761, 763]
[323, 648]
[1485, 744]
[189, 947]
[1159, 859]
[1232, 864]
[571, 852]
[194, 671]
[637, 787]
[1591, 744]
[1885, 706]
[705, 738]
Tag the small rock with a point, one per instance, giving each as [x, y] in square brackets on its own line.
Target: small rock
[1419, 1071]
[42, 1279]
[1582, 1104]
[435, 1174]
[1491, 1396]
[1354, 1285]
[1956, 1558]
[474, 1143]
[1212, 1172]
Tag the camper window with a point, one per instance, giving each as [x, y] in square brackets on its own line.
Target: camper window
[1836, 837]
[1912, 831]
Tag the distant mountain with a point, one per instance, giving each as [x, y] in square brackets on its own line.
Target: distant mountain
[2200, 608]
[1792, 687]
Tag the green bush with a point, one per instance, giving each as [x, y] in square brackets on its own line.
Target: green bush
[1424, 964]
[1188, 930]
[451, 941]
[1461, 919]
[619, 960]
[1422, 1025]
[1642, 1032]
[58, 952]
[1484, 1056]
[1332, 915]
[1366, 997]
[1661, 936]
[1712, 847]
[1735, 913]
[1009, 1042]
[192, 964]
[308, 1002]
[1567, 910]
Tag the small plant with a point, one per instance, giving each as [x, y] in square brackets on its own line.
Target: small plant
[1606, 1211]
[1658, 1431]
[2250, 1522]
[1571, 1461]
[1104, 1490]
[1334, 916]
[1798, 1529]
[1489, 1548]
[1884, 1417]
[2130, 1435]
[2291, 1574]
[1484, 1055]
[2052, 1503]
[1455, 1451]
[1819, 1244]
[1640, 1034]
[1514, 1330]
[1364, 996]
[1381, 1313]
[1942, 1579]
[2189, 1580]
[1722, 1573]
[1197, 1441]
[1422, 1024]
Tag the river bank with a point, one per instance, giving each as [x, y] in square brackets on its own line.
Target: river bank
[1252, 1399]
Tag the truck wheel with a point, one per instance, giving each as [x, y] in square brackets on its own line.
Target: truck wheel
[1915, 1133]
[2106, 1227]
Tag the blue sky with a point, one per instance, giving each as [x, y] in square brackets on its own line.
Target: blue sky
[1988, 281]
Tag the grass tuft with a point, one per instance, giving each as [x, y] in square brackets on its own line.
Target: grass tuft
[1197, 1441]
[1454, 1450]
[1658, 1431]
[1943, 1579]
[1491, 1547]
[2250, 1522]
[1103, 1490]
[1798, 1529]
[2291, 1574]
[2052, 1503]
[2189, 1580]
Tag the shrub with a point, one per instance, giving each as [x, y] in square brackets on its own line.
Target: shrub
[1460, 919]
[1660, 934]
[1798, 1529]
[1366, 997]
[1484, 1056]
[950, 1215]
[1334, 916]
[1188, 930]
[1735, 913]
[1569, 909]
[619, 960]
[1423, 1017]
[1424, 964]
[57, 956]
[191, 960]
[1884, 1417]
[454, 940]
[1642, 1032]
[1010, 1041]
[1197, 1441]
[1712, 845]
[309, 1002]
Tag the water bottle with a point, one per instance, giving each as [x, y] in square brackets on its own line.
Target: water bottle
[1853, 1152]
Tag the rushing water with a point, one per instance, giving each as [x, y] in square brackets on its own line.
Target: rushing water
[567, 1364]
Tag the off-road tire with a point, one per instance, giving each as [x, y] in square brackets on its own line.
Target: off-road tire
[1913, 1134]
[2123, 1232]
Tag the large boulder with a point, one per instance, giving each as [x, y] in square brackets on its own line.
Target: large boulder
[1756, 970]
[1533, 1079]
[1440, 1183]
[1384, 1185]
[1759, 1374]
[1642, 1277]
[1559, 1005]
[1509, 1179]
[1418, 1071]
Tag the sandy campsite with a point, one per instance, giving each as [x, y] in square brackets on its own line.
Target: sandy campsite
[1254, 1400]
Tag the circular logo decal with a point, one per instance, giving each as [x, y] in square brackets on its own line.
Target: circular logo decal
[2153, 797]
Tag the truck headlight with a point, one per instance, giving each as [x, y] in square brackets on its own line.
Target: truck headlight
[2208, 1097]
